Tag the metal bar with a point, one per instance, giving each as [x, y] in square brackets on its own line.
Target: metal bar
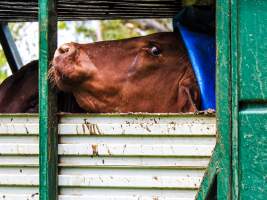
[235, 99]
[48, 186]
[220, 164]
[209, 177]
[10, 48]
[75, 10]
[223, 98]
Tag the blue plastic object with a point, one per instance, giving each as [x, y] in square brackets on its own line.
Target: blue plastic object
[202, 53]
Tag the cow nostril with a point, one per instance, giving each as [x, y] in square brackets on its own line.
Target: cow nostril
[65, 50]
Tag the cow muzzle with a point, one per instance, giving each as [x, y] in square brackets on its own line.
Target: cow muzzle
[71, 65]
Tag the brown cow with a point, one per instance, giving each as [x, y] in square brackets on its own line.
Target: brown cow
[19, 93]
[142, 74]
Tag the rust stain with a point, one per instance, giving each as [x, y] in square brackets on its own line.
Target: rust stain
[95, 149]
[148, 129]
[83, 129]
[77, 130]
[89, 127]
[92, 128]
[145, 127]
[109, 153]
[124, 147]
[97, 129]
[173, 124]
[101, 179]
[34, 194]
[27, 131]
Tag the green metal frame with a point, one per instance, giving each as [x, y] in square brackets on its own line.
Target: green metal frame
[241, 94]
[47, 103]
[48, 121]
[234, 101]
[220, 164]
[239, 160]
[249, 99]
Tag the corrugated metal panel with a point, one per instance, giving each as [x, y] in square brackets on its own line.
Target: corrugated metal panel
[27, 10]
[110, 157]
[18, 167]
[118, 157]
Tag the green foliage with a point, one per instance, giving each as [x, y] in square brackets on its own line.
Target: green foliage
[15, 28]
[117, 29]
[3, 73]
[88, 32]
[2, 58]
[62, 25]
[3, 62]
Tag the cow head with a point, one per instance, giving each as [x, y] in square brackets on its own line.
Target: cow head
[142, 74]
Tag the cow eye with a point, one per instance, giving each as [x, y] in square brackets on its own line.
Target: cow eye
[155, 51]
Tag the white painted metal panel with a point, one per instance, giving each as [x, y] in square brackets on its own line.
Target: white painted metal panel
[97, 149]
[137, 125]
[121, 157]
[126, 194]
[110, 157]
[136, 162]
[18, 163]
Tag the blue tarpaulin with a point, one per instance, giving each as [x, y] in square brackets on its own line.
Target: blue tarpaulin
[202, 53]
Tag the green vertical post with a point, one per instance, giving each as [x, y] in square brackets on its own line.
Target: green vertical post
[221, 161]
[249, 99]
[223, 98]
[241, 102]
[47, 103]
[234, 100]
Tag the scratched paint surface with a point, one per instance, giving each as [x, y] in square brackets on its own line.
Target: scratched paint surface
[252, 49]
[114, 157]
[17, 165]
[253, 154]
[133, 156]
[250, 123]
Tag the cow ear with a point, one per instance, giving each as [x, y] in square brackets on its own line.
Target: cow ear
[188, 98]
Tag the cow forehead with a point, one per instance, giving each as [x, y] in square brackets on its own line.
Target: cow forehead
[159, 38]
